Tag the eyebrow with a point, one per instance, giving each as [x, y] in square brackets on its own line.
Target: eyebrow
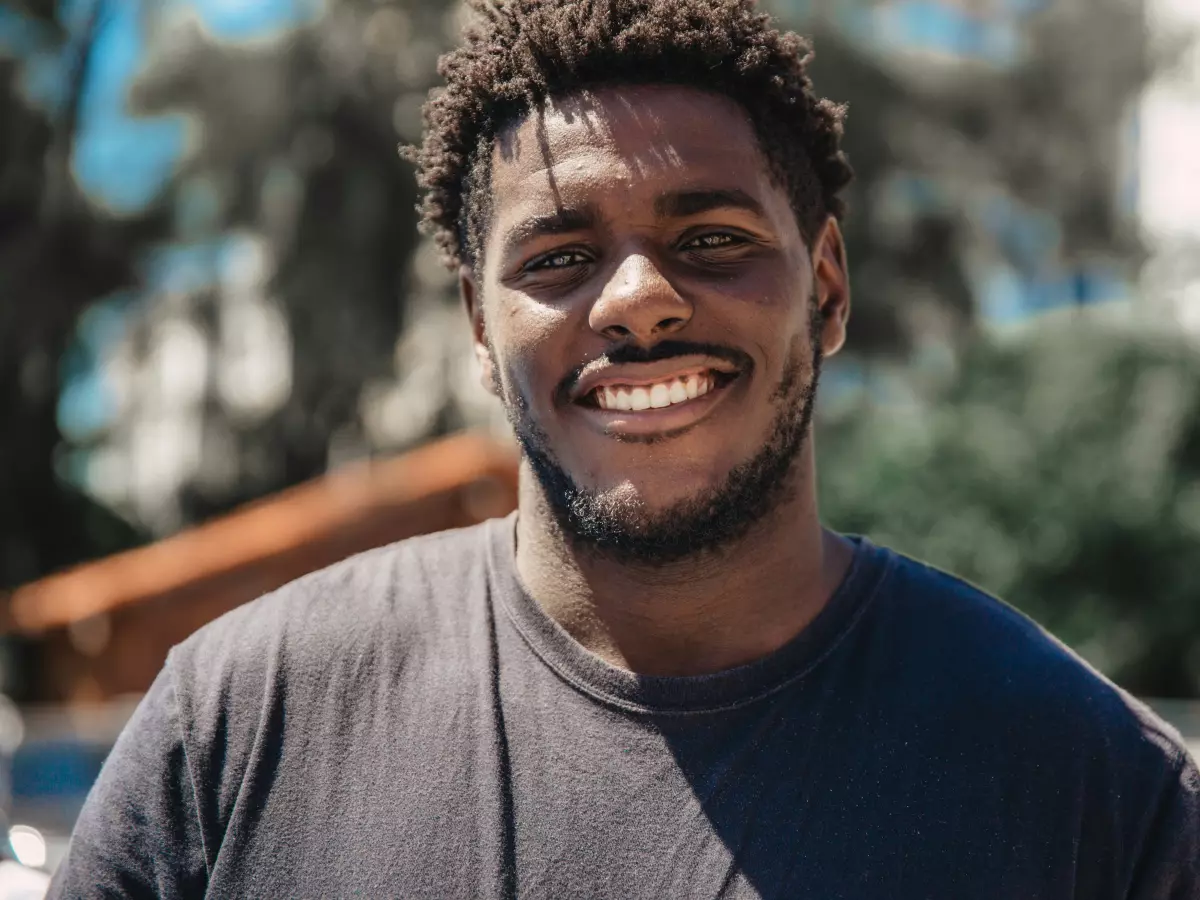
[672, 205]
[561, 221]
[680, 204]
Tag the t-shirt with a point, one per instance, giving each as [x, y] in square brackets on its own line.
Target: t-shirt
[409, 723]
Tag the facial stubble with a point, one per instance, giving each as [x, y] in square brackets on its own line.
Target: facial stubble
[616, 523]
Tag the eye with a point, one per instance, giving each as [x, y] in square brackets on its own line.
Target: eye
[559, 259]
[714, 240]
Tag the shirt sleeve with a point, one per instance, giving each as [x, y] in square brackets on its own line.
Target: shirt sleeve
[1169, 867]
[138, 835]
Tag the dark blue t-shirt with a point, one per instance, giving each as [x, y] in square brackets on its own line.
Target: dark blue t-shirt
[409, 723]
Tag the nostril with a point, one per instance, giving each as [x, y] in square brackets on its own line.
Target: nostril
[617, 331]
[670, 324]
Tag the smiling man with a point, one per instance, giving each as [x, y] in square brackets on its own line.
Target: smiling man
[662, 677]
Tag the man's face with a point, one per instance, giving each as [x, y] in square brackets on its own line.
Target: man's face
[647, 309]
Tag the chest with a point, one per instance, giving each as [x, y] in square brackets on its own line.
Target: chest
[539, 799]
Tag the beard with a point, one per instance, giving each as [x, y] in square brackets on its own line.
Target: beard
[614, 524]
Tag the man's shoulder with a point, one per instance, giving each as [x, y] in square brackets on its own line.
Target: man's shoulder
[420, 590]
[987, 659]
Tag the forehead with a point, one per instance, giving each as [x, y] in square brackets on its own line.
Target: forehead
[617, 147]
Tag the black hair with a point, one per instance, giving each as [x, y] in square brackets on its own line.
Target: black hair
[518, 53]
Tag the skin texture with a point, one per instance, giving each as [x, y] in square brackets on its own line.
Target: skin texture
[623, 219]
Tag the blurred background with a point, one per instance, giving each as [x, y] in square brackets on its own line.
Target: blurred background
[227, 357]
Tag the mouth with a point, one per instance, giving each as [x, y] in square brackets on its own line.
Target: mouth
[632, 406]
[640, 396]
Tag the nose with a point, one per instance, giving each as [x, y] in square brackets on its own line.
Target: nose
[639, 302]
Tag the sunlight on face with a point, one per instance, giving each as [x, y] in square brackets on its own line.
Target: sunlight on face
[646, 294]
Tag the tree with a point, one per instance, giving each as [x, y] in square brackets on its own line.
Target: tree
[296, 155]
[57, 254]
[1000, 156]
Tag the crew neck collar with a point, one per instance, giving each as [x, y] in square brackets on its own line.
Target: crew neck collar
[683, 695]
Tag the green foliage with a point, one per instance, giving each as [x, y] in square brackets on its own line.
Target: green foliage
[969, 168]
[1061, 471]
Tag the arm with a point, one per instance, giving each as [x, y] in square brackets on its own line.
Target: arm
[139, 835]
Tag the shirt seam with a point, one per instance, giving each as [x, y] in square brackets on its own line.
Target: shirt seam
[1178, 759]
[187, 761]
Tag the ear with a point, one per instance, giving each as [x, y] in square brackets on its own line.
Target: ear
[831, 285]
[468, 290]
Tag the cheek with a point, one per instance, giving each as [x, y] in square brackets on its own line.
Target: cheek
[768, 316]
[530, 340]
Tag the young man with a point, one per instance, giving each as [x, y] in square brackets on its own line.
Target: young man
[662, 677]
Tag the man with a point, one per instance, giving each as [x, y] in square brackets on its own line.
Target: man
[662, 677]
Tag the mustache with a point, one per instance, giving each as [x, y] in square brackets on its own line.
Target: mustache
[634, 353]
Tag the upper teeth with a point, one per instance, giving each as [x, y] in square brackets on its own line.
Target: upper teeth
[653, 396]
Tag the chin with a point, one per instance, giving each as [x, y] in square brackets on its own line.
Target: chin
[655, 494]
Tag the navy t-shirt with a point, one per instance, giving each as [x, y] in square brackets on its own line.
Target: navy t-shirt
[409, 723]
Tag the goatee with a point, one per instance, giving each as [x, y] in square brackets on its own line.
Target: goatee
[616, 525]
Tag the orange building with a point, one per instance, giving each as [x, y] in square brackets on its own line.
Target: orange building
[105, 627]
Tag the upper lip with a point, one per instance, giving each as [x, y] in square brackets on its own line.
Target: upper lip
[602, 373]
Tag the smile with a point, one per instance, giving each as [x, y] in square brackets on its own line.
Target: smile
[657, 395]
[628, 407]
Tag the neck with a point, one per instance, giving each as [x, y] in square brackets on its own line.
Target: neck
[699, 615]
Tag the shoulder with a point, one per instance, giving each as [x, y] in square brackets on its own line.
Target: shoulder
[392, 601]
[1003, 712]
[310, 662]
[990, 662]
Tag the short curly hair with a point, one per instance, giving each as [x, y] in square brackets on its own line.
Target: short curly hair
[516, 54]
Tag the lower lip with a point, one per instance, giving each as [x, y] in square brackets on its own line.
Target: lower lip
[663, 420]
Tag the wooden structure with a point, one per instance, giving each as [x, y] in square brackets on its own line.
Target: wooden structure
[105, 627]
